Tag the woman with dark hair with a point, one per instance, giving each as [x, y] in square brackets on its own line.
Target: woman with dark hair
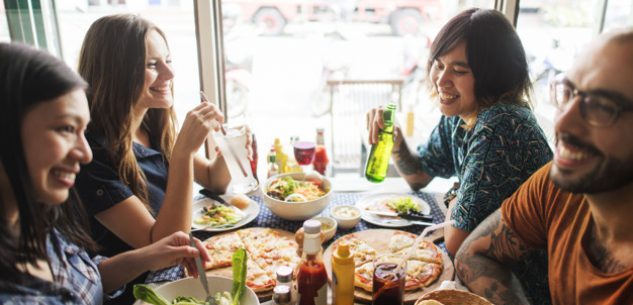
[139, 186]
[487, 136]
[43, 115]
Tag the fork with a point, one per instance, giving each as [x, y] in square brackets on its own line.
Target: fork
[210, 300]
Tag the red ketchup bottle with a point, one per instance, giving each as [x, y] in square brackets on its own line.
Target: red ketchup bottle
[311, 275]
[320, 155]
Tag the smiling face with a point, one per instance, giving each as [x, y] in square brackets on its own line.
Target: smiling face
[54, 144]
[454, 83]
[596, 159]
[158, 73]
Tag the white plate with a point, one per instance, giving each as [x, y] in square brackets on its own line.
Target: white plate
[191, 287]
[250, 212]
[384, 221]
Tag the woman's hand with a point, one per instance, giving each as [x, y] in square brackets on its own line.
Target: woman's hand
[173, 250]
[197, 125]
[375, 123]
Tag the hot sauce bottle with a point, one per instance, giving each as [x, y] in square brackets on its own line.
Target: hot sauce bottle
[311, 275]
[320, 156]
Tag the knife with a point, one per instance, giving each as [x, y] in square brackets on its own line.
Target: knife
[411, 216]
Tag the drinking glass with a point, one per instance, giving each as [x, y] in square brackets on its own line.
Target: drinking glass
[388, 281]
[232, 143]
[304, 154]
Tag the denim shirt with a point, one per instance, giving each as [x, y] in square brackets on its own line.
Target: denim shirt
[76, 278]
[491, 160]
[100, 188]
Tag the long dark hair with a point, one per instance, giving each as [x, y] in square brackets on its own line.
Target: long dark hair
[495, 55]
[29, 77]
[112, 61]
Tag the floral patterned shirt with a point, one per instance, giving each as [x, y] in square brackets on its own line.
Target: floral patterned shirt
[491, 160]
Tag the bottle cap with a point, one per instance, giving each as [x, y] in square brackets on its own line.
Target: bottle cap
[343, 250]
[312, 226]
[281, 294]
[284, 274]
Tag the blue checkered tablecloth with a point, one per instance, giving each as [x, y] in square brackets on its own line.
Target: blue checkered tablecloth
[267, 219]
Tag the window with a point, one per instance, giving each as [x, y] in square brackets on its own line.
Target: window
[4, 26]
[174, 17]
[553, 32]
[285, 61]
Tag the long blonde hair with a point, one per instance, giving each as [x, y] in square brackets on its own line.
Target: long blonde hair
[112, 61]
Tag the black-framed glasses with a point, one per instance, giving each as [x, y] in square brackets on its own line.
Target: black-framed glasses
[599, 108]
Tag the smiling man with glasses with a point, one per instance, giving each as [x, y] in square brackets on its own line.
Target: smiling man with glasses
[580, 206]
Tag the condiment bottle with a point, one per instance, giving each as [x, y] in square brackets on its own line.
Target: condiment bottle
[311, 277]
[280, 155]
[320, 154]
[343, 275]
[378, 160]
[284, 278]
[282, 296]
[273, 168]
[410, 127]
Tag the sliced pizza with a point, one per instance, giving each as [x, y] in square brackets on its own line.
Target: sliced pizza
[363, 276]
[221, 249]
[362, 251]
[421, 274]
[257, 278]
[425, 251]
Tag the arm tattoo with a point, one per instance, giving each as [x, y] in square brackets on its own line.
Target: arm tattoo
[480, 262]
[407, 163]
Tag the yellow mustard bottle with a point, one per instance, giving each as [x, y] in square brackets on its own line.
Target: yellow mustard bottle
[343, 276]
[281, 157]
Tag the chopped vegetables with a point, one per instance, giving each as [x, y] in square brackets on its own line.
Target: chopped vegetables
[285, 188]
[218, 215]
[403, 205]
[148, 295]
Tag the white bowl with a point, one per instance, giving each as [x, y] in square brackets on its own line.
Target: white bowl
[191, 287]
[331, 223]
[346, 221]
[297, 210]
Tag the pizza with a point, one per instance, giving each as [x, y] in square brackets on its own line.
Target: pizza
[424, 265]
[267, 250]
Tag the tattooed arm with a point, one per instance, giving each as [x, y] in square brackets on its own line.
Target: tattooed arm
[407, 163]
[482, 262]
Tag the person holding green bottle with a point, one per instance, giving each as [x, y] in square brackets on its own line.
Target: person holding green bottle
[487, 136]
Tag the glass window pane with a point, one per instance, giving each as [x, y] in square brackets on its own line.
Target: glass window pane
[553, 32]
[174, 17]
[289, 65]
[4, 26]
[619, 14]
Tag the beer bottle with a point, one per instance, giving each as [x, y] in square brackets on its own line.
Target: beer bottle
[378, 160]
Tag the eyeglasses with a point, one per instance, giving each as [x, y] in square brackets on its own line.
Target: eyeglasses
[599, 108]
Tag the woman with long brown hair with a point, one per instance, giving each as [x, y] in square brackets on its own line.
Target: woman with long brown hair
[139, 186]
[43, 258]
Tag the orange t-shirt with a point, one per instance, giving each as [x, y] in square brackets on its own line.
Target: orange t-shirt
[543, 215]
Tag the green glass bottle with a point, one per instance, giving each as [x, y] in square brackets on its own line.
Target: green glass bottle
[378, 160]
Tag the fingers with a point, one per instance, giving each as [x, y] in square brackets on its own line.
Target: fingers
[374, 124]
[202, 249]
